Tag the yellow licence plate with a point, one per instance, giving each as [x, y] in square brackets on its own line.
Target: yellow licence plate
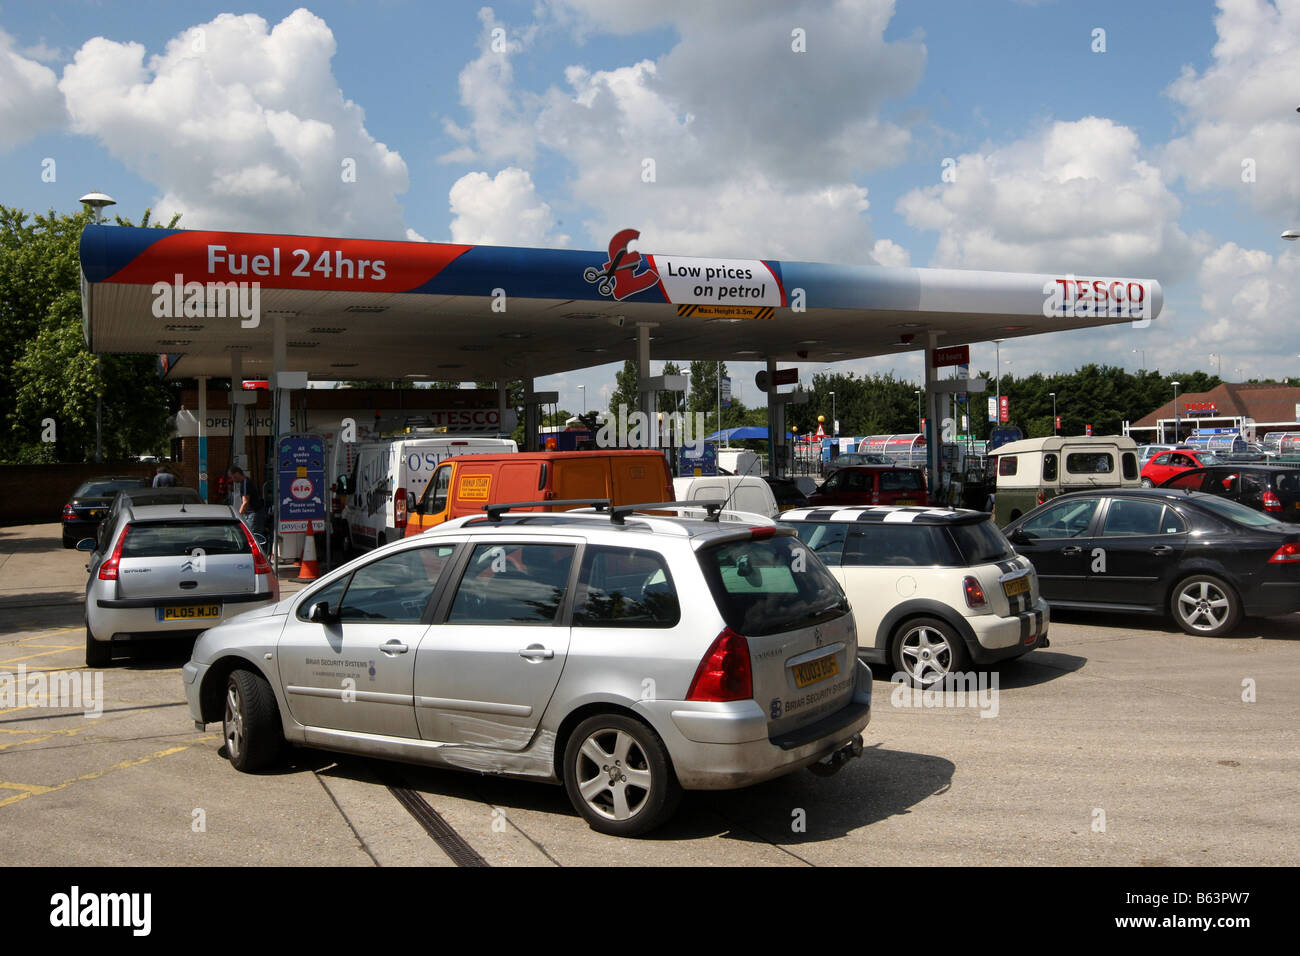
[904, 501]
[814, 671]
[1016, 586]
[194, 612]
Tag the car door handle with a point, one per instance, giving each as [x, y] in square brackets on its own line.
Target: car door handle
[1071, 549]
[535, 652]
[1161, 549]
[394, 647]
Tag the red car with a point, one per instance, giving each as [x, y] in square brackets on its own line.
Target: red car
[872, 485]
[1164, 466]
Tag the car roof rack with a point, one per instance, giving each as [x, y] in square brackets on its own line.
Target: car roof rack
[711, 506]
[494, 512]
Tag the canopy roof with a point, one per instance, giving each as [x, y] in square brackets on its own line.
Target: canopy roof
[359, 308]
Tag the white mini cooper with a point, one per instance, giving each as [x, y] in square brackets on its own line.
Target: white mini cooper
[932, 589]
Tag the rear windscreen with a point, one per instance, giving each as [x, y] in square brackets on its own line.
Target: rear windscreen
[901, 481]
[162, 539]
[771, 585]
[106, 489]
[981, 542]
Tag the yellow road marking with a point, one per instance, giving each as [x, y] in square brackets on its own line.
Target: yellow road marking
[58, 650]
[28, 790]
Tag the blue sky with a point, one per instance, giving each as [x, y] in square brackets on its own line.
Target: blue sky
[1127, 161]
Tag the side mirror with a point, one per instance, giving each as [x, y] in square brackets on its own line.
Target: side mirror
[320, 613]
[410, 502]
[1018, 537]
[86, 544]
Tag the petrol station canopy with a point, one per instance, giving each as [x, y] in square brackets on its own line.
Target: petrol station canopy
[360, 308]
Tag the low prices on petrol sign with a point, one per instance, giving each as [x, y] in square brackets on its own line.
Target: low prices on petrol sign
[301, 465]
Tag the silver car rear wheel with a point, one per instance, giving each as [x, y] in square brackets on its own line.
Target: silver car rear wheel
[618, 776]
[927, 650]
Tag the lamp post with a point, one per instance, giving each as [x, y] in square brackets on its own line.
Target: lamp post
[1144, 359]
[835, 425]
[583, 389]
[97, 201]
[1215, 357]
[1053, 394]
[1176, 429]
[918, 410]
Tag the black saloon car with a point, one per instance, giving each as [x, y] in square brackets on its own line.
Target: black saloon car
[90, 503]
[1274, 489]
[1201, 558]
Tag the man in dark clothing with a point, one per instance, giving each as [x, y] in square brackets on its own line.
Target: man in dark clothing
[250, 500]
[164, 478]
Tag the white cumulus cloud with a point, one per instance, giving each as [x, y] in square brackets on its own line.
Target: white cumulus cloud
[1074, 197]
[30, 102]
[241, 126]
[502, 210]
[1243, 133]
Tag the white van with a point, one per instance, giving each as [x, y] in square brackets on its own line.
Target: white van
[742, 493]
[372, 513]
[739, 461]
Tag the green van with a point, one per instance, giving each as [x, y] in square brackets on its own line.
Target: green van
[1033, 470]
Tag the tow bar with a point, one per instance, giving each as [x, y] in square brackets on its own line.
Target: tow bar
[832, 765]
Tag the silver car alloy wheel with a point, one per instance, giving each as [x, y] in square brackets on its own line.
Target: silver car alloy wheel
[926, 660]
[233, 727]
[613, 774]
[1201, 599]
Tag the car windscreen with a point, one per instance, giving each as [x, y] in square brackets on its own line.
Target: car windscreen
[1238, 513]
[981, 542]
[106, 489]
[163, 539]
[770, 585]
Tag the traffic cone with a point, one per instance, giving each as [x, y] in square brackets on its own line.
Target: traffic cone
[308, 569]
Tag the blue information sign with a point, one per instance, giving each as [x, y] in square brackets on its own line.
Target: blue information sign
[301, 464]
[702, 464]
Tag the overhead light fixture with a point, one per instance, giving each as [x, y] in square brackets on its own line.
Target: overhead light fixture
[344, 364]
[365, 309]
[516, 335]
[327, 330]
[474, 348]
[451, 365]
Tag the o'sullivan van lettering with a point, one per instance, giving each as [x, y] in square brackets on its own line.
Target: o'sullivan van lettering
[475, 487]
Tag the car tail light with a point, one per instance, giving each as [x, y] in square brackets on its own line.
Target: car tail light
[724, 674]
[1272, 502]
[1041, 497]
[1285, 554]
[69, 513]
[399, 511]
[974, 593]
[260, 564]
[108, 570]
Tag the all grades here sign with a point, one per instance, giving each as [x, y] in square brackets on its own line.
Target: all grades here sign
[301, 463]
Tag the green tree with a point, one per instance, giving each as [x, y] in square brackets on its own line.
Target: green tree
[46, 373]
[625, 389]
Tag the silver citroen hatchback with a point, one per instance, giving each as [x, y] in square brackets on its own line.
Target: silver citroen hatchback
[170, 571]
[625, 656]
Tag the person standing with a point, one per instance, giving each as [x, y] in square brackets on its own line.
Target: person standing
[163, 478]
[249, 499]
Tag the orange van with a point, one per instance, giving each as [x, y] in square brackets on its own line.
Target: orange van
[463, 486]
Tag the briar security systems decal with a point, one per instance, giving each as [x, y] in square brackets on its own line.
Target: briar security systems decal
[685, 279]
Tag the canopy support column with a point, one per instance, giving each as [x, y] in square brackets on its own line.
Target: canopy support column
[933, 431]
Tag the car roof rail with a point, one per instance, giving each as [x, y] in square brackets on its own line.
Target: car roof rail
[494, 512]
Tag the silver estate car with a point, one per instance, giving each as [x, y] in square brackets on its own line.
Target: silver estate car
[170, 571]
[624, 655]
